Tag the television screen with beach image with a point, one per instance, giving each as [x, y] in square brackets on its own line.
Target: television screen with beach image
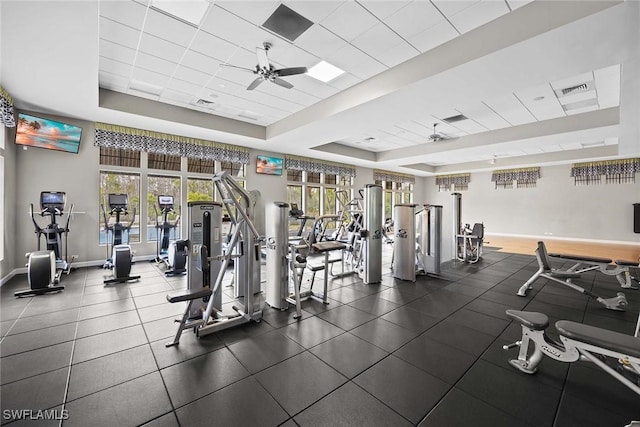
[269, 165]
[44, 133]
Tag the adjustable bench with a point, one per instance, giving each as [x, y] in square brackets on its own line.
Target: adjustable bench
[564, 277]
[577, 341]
[187, 295]
[603, 265]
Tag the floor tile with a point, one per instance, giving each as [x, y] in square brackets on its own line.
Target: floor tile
[411, 319]
[576, 412]
[406, 389]
[310, 332]
[39, 392]
[349, 406]
[197, 377]
[190, 346]
[478, 321]
[106, 308]
[299, 381]
[35, 362]
[107, 371]
[374, 305]
[107, 323]
[262, 351]
[107, 343]
[386, 335]
[346, 317]
[32, 340]
[166, 420]
[128, 404]
[460, 337]
[349, 354]
[228, 407]
[47, 320]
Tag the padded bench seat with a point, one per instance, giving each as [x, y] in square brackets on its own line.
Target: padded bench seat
[531, 319]
[628, 263]
[189, 294]
[615, 341]
[593, 260]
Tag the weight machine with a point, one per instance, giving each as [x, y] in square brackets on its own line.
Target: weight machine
[121, 256]
[45, 267]
[467, 241]
[204, 310]
[172, 254]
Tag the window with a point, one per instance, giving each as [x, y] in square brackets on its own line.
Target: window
[162, 186]
[312, 201]
[294, 196]
[200, 190]
[201, 166]
[119, 157]
[163, 162]
[120, 183]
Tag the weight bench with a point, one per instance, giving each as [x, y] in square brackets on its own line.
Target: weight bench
[564, 277]
[324, 248]
[603, 265]
[187, 295]
[470, 243]
[577, 342]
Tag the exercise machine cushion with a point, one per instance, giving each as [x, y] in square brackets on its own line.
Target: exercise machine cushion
[327, 246]
[189, 294]
[627, 263]
[593, 260]
[564, 274]
[530, 319]
[611, 340]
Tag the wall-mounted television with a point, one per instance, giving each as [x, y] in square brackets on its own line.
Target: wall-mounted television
[269, 165]
[37, 132]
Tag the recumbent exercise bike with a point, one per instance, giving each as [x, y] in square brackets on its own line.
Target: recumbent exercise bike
[121, 256]
[45, 267]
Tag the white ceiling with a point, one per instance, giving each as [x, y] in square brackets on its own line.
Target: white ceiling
[408, 65]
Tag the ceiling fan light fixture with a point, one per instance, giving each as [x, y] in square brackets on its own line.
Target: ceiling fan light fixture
[324, 71]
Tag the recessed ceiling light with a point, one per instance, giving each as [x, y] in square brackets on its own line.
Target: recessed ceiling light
[324, 71]
[191, 11]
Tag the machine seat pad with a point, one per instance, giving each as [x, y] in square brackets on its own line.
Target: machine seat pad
[328, 246]
[627, 263]
[589, 259]
[530, 319]
[611, 340]
[189, 294]
[564, 274]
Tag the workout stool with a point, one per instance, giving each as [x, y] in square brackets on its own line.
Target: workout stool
[187, 295]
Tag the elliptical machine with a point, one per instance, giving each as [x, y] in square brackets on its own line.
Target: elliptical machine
[121, 256]
[172, 254]
[45, 267]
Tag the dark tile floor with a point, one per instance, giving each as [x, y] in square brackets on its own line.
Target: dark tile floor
[397, 353]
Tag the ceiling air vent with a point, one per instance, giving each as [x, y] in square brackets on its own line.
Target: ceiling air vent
[204, 103]
[454, 119]
[287, 23]
[572, 89]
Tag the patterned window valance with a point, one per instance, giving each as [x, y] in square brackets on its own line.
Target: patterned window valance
[162, 143]
[314, 165]
[615, 171]
[380, 175]
[6, 109]
[459, 180]
[524, 177]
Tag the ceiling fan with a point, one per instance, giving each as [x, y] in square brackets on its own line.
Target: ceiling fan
[435, 136]
[266, 72]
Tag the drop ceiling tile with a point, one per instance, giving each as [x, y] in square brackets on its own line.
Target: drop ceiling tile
[344, 81]
[183, 86]
[377, 39]
[314, 11]
[192, 76]
[356, 62]
[320, 42]
[292, 56]
[218, 85]
[149, 77]
[255, 12]
[469, 126]
[414, 19]
[169, 28]
[511, 109]
[416, 128]
[176, 97]
[608, 86]
[483, 115]
[161, 48]
[127, 13]
[243, 58]
[213, 46]
[255, 37]
[450, 8]
[200, 62]
[577, 97]
[116, 52]
[571, 146]
[349, 21]
[114, 67]
[434, 36]
[312, 86]
[112, 81]
[572, 81]
[543, 109]
[398, 54]
[478, 14]
[155, 64]
[118, 33]
[383, 9]
[226, 25]
[582, 110]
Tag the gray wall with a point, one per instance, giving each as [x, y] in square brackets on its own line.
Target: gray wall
[11, 255]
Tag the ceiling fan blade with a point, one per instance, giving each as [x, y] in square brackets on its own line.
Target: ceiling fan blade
[282, 83]
[254, 84]
[239, 68]
[263, 61]
[290, 71]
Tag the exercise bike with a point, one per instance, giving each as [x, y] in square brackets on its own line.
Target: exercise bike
[45, 267]
[172, 254]
[121, 257]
